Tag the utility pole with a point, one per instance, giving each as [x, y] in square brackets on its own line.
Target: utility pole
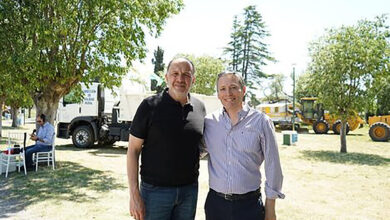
[293, 116]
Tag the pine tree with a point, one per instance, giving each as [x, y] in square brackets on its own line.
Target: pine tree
[159, 67]
[247, 50]
[235, 45]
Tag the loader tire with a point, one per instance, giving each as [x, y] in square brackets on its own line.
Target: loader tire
[337, 126]
[321, 127]
[379, 132]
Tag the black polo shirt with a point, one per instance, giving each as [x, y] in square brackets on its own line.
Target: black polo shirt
[172, 134]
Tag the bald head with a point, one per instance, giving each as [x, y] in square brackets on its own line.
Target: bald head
[180, 60]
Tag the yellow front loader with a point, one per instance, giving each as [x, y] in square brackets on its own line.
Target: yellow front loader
[313, 114]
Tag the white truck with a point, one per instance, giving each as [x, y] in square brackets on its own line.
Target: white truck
[103, 118]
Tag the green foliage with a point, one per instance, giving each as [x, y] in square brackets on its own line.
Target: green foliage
[383, 101]
[235, 45]
[158, 60]
[304, 87]
[346, 64]
[53, 45]
[76, 95]
[349, 65]
[247, 49]
[207, 69]
[159, 66]
[275, 89]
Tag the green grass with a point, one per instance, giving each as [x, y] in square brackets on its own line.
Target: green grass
[319, 182]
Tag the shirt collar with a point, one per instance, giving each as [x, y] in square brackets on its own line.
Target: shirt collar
[241, 114]
[166, 96]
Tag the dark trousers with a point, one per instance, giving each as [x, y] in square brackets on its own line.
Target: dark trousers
[34, 149]
[170, 203]
[218, 208]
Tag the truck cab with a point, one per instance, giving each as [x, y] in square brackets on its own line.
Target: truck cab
[95, 118]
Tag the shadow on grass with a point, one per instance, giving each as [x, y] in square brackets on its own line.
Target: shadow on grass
[12, 128]
[109, 151]
[69, 181]
[337, 135]
[346, 158]
[97, 150]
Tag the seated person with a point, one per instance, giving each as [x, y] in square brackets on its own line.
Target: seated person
[43, 140]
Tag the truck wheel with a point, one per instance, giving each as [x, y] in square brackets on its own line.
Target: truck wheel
[379, 132]
[82, 137]
[321, 127]
[336, 127]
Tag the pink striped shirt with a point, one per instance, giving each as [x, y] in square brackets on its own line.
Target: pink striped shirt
[236, 153]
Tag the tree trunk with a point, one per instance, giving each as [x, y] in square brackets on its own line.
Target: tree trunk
[343, 136]
[14, 115]
[29, 112]
[1, 116]
[1, 120]
[47, 103]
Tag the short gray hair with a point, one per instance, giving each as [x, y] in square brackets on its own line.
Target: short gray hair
[184, 58]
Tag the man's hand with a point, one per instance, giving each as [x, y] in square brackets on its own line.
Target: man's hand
[136, 204]
[270, 209]
[137, 207]
[34, 137]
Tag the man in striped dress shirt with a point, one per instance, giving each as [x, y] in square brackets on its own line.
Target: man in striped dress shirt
[238, 139]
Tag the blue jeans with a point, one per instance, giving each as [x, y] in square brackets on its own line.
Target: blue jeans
[34, 149]
[169, 203]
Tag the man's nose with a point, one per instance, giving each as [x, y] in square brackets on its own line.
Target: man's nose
[180, 77]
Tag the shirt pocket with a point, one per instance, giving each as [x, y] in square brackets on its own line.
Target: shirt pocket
[248, 140]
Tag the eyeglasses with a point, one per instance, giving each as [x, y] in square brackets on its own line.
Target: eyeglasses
[39, 121]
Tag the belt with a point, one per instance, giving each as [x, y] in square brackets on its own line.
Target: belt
[233, 197]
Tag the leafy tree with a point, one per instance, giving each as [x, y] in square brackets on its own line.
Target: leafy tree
[207, 69]
[159, 67]
[383, 100]
[304, 87]
[12, 90]
[275, 88]
[18, 98]
[57, 44]
[345, 64]
[5, 87]
[247, 48]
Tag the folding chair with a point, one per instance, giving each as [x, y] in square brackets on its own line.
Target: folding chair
[48, 156]
[15, 154]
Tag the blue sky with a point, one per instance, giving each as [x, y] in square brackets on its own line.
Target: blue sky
[203, 27]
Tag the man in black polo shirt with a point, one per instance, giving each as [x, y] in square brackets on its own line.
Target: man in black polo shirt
[166, 131]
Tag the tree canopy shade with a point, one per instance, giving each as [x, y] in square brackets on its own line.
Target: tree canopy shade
[348, 67]
[53, 45]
